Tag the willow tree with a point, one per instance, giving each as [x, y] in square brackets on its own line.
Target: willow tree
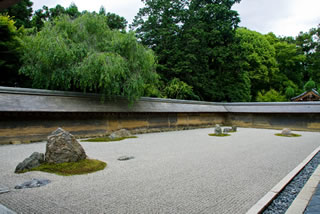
[84, 54]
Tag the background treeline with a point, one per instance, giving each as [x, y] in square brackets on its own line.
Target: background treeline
[183, 49]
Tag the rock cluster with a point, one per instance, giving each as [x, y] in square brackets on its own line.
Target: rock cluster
[62, 147]
[120, 133]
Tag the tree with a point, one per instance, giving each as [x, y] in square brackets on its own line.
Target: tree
[289, 61]
[10, 46]
[309, 85]
[195, 42]
[309, 45]
[259, 61]
[115, 22]
[21, 13]
[289, 93]
[84, 54]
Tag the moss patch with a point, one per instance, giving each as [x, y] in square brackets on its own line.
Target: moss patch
[74, 168]
[220, 135]
[291, 135]
[106, 139]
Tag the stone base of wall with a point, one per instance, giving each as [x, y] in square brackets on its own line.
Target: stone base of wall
[26, 127]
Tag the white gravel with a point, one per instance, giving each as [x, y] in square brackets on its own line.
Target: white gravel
[172, 172]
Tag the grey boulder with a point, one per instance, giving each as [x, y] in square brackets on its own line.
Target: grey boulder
[33, 183]
[36, 159]
[217, 130]
[62, 147]
[120, 133]
[234, 128]
[286, 131]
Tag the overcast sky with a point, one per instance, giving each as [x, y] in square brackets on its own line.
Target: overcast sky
[283, 17]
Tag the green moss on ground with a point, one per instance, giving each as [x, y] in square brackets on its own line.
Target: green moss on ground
[291, 135]
[73, 168]
[106, 139]
[220, 135]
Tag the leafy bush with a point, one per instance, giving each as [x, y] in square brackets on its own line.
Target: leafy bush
[290, 92]
[270, 96]
[178, 89]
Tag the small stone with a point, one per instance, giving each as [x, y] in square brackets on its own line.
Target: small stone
[4, 190]
[234, 128]
[217, 130]
[226, 130]
[120, 133]
[33, 183]
[36, 159]
[286, 131]
[124, 158]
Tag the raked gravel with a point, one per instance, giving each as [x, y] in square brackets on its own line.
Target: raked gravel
[172, 172]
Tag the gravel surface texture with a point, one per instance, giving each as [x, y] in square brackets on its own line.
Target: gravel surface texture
[172, 172]
[282, 202]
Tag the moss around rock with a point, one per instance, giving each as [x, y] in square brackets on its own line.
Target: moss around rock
[220, 135]
[106, 139]
[72, 168]
[290, 135]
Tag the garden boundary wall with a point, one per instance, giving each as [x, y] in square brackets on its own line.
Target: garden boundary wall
[28, 115]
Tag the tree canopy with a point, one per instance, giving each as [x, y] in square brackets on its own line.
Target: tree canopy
[195, 46]
[85, 54]
[21, 13]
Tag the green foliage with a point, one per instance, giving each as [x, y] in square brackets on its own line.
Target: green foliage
[21, 13]
[45, 14]
[291, 135]
[194, 42]
[177, 89]
[309, 45]
[84, 54]
[309, 85]
[107, 139]
[10, 47]
[259, 59]
[219, 135]
[289, 61]
[270, 96]
[73, 168]
[289, 92]
[114, 21]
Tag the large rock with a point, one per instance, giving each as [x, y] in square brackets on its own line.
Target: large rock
[234, 128]
[63, 147]
[286, 131]
[120, 133]
[217, 130]
[36, 159]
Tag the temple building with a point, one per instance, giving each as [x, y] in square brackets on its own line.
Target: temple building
[312, 95]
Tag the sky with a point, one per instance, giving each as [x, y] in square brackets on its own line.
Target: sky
[282, 17]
